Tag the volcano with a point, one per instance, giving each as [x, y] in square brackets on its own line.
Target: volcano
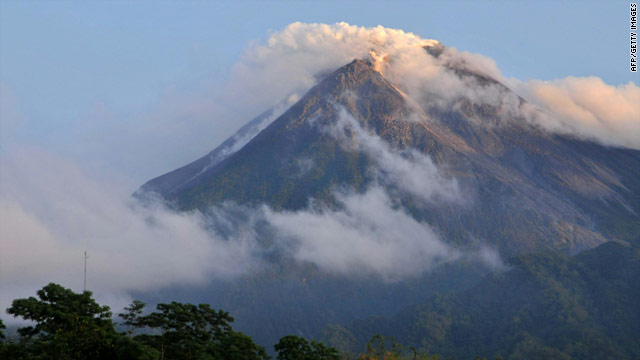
[474, 168]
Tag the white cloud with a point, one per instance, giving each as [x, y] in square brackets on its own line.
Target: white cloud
[368, 235]
[586, 107]
[50, 211]
[410, 170]
[293, 58]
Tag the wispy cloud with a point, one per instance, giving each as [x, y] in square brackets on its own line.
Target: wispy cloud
[368, 235]
[586, 107]
[51, 212]
[409, 170]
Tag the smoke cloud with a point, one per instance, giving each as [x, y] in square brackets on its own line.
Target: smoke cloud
[586, 107]
[294, 58]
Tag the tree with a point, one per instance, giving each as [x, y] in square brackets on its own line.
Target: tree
[73, 326]
[2, 328]
[2, 337]
[292, 347]
[387, 348]
[67, 325]
[324, 352]
[132, 318]
[237, 346]
[377, 348]
[188, 331]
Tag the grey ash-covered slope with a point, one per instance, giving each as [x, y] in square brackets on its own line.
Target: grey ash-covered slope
[188, 175]
[525, 189]
[271, 167]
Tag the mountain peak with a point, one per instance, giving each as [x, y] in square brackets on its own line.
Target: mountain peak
[356, 86]
[358, 65]
[351, 77]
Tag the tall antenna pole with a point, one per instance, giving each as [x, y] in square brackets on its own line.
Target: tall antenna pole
[85, 271]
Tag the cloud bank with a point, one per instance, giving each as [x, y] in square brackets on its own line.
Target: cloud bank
[586, 107]
[51, 212]
[368, 235]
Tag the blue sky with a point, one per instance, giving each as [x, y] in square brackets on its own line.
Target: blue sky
[75, 73]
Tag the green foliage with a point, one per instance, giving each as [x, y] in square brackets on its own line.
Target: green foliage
[292, 347]
[547, 306]
[380, 347]
[132, 318]
[68, 325]
[73, 326]
[2, 328]
[129, 349]
[188, 331]
[384, 348]
[237, 345]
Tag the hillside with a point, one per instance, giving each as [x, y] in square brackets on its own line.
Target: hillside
[547, 306]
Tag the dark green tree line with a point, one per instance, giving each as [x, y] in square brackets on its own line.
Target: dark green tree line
[67, 325]
[71, 326]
